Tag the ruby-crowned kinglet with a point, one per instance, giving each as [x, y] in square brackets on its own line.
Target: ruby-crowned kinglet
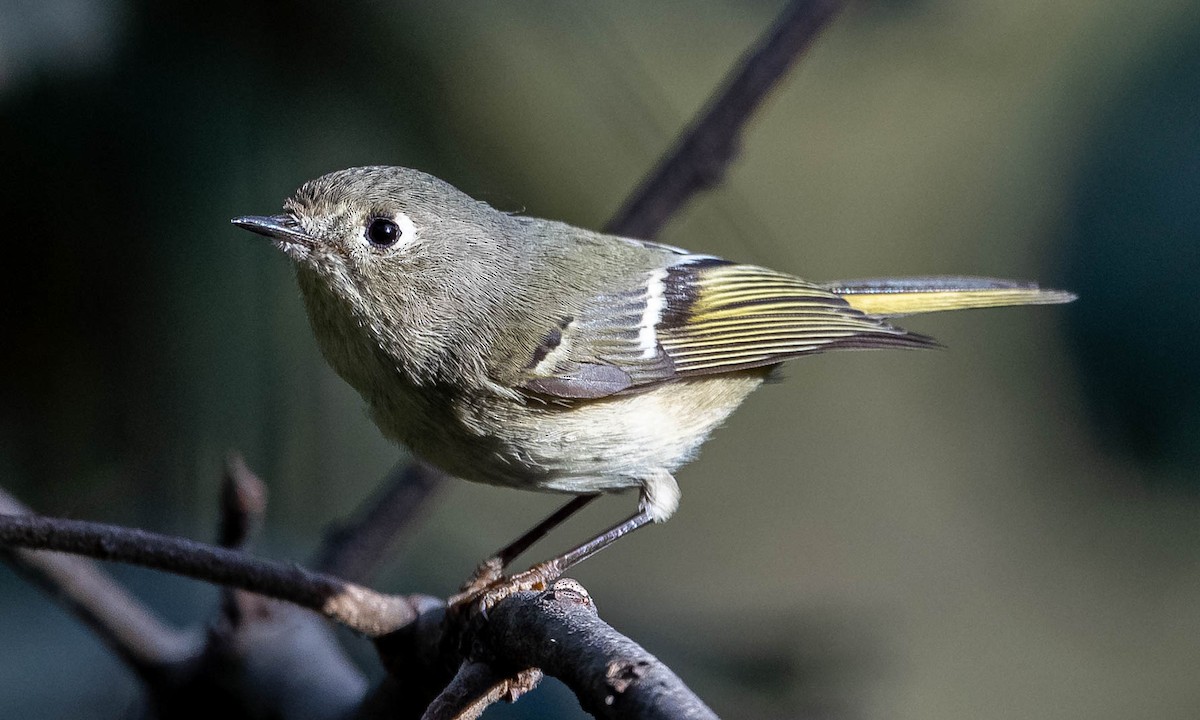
[532, 354]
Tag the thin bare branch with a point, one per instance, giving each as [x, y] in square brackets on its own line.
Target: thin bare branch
[355, 606]
[475, 687]
[243, 503]
[353, 550]
[127, 626]
[700, 156]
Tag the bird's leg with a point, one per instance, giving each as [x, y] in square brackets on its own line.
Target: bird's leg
[491, 570]
[511, 551]
[555, 567]
[660, 498]
[541, 575]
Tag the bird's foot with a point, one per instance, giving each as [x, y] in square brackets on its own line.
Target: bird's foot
[489, 572]
[487, 587]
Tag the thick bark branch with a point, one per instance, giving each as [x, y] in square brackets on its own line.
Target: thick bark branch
[700, 156]
[354, 606]
[559, 631]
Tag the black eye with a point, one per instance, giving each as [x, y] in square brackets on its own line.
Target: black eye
[383, 232]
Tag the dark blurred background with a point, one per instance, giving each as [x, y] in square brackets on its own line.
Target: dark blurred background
[1009, 528]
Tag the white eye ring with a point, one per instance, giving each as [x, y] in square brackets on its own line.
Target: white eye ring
[387, 232]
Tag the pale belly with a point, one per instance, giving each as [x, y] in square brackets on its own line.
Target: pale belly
[600, 445]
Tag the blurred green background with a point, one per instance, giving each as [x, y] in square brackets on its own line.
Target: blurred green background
[1008, 528]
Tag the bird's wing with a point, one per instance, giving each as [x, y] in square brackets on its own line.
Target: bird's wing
[697, 316]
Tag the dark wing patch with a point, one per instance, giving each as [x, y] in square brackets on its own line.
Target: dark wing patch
[550, 341]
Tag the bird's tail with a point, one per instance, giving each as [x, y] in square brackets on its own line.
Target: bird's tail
[889, 297]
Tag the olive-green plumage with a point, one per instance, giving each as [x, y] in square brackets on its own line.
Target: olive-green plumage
[529, 353]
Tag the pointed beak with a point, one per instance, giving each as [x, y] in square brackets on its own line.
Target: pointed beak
[283, 228]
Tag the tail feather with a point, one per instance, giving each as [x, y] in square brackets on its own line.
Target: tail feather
[890, 297]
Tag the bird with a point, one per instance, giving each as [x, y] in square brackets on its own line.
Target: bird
[529, 353]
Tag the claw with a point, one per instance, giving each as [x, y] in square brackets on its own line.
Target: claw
[488, 573]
